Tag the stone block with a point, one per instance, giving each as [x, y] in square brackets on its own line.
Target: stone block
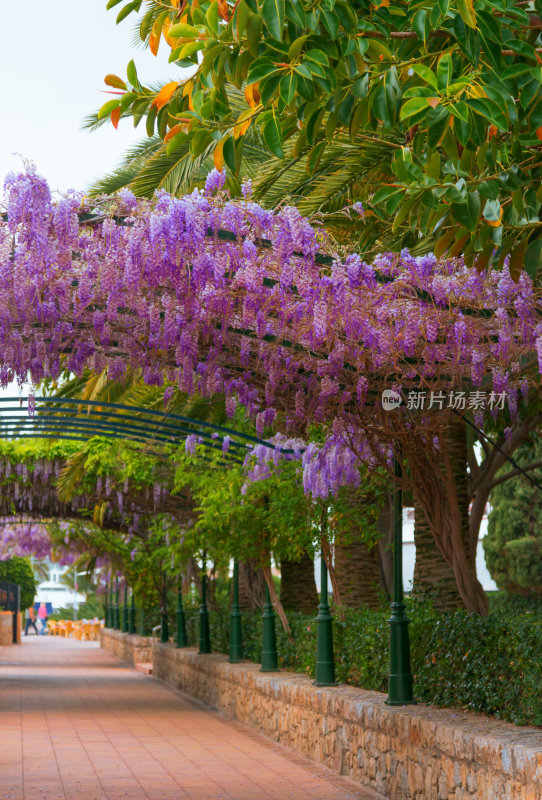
[413, 753]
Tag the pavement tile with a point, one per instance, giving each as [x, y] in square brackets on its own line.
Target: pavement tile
[78, 724]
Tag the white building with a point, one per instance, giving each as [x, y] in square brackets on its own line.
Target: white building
[55, 592]
[409, 556]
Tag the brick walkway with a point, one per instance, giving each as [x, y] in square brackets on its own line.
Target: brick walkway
[77, 724]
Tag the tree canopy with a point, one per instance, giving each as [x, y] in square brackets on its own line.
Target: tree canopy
[19, 570]
[451, 89]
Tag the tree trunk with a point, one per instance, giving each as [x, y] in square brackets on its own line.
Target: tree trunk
[251, 585]
[297, 585]
[440, 490]
[357, 570]
[433, 577]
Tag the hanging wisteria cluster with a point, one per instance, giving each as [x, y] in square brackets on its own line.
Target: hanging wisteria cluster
[23, 537]
[222, 295]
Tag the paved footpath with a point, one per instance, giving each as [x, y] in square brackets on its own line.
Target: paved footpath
[78, 724]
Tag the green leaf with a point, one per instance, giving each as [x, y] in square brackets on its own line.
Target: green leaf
[330, 21]
[112, 4]
[176, 142]
[131, 74]
[149, 125]
[492, 210]
[489, 26]
[268, 88]
[315, 156]
[426, 74]
[228, 151]
[385, 193]
[444, 71]
[514, 71]
[287, 87]
[296, 46]
[533, 258]
[403, 212]
[420, 24]
[260, 68]
[432, 166]
[240, 19]
[489, 190]
[467, 12]
[273, 12]
[296, 13]
[181, 29]
[189, 49]
[272, 135]
[317, 56]
[360, 86]
[468, 213]
[107, 108]
[212, 18]
[460, 110]
[124, 12]
[521, 48]
[358, 116]
[254, 31]
[413, 106]
[314, 123]
[384, 99]
[487, 109]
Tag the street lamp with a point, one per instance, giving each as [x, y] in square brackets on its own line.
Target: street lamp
[75, 603]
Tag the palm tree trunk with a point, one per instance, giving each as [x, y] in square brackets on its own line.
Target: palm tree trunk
[433, 577]
[448, 519]
[251, 585]
[297, 585]
[357, 569]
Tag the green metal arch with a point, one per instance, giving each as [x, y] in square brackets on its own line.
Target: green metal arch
[77, 419]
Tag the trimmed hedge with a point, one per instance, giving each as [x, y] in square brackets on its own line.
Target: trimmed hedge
[489, 664]
[19, 570]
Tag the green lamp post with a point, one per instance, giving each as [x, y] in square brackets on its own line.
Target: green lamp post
[204, 637]
[116, 620]
[400, 679]
[142, 622]
[132, 625]
[182, 640]
[125, 620]
[108, 597]
[325, 663]
[236, 627]
[269, 642]
[164, 622]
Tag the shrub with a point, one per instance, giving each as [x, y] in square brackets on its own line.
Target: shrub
[484, 664]
[19, 570]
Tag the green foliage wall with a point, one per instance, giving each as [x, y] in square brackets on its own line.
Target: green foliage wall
[19, 570]
[485, 664]
[513, 545]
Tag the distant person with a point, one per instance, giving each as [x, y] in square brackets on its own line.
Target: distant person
[30, 619]
[42, 616]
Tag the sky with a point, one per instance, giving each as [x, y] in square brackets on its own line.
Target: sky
[53, 60]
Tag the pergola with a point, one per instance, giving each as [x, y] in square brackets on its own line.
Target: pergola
[224, 296]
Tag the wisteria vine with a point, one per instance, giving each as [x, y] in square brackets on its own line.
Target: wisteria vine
[295, 338]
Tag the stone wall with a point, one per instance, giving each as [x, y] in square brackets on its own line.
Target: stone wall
[129, 647]
[6, 628]
[405, 753]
